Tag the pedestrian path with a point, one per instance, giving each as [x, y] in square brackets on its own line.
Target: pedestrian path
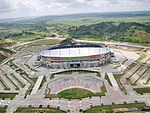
[113, 81]
[37, 85]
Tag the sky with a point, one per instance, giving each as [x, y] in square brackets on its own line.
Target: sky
[27, 8]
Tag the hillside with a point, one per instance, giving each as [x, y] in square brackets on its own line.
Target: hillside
[125, 31]
[4, 53]
[124, 26]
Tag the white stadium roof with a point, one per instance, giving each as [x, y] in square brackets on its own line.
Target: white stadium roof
[75, 52]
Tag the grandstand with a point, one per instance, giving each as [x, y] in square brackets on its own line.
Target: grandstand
[72, 54]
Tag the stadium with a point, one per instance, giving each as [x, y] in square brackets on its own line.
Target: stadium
[72, 54]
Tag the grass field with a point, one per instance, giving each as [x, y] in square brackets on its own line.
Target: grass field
[117, 77]
[94, 20]
[107, 78]
[142, 56]
[46, 42]
[7, 95]
[109, 108]
[3, 109]
[142, 90]
[38, 110]
[77, 93]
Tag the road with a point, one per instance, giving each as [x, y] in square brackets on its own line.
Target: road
[104, 42]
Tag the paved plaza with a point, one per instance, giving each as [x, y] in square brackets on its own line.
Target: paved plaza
[64, 82]
[19, 77]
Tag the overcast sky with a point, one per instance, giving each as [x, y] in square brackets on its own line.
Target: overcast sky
[25, 8]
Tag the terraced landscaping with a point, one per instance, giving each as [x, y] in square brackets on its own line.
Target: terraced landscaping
[110, 108]
[142, 90]
[8, 95]
[38, 110]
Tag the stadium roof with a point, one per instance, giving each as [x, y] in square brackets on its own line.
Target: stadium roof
[70, 43]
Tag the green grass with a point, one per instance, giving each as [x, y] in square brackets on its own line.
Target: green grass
[28, 92]
[8, 95]
[7, 50]
[117, 76]
[107, 78]
[3, 109]
[103, 91]
[92, 39]
[46, 42]
[146, 44]
[98, 74]
[19, 48]
[2, 57]
[94, 20]
[38, 110]
[43, 81]
[34, 79]
[2, 42]
[77, 93]
[142, 90]
[109, 108]
[121, 86]
[26, 39]
[11, 64]
[142, 56]
[52, 76]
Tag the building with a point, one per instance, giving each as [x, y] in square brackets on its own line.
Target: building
[72, 54]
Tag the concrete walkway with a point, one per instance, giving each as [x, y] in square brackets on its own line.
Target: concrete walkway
[37, 85]
[113, 81]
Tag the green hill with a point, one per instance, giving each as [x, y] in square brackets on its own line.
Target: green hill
[128, 32]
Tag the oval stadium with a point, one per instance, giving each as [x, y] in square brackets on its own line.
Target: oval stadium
[72, 54]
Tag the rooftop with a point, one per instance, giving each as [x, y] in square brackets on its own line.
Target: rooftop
[70, 43]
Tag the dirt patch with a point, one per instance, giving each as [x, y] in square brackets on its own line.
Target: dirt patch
[4, 53]
[145, 36]
[5, 45]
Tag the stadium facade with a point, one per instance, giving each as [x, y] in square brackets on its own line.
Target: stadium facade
[71, 54]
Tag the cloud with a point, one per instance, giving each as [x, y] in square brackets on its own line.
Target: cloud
[56, 7]
[81, 1]
[4, 6]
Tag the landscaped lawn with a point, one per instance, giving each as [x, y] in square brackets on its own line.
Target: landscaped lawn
[8, 95]
[107, 78]
[47, 42]
[142, 90]
[3, 109]
[109, 108]
[38, 110]
[75, 93]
